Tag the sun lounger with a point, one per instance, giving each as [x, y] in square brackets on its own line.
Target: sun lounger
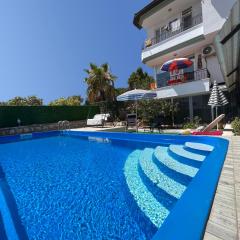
[98, 120]
[211, 133]
[208, 129]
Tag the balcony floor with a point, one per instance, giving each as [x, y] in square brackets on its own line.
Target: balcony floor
[192, 88]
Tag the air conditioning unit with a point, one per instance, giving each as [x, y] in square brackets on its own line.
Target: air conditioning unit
[208, 51]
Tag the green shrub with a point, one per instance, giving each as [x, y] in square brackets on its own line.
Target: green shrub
[192, 124]
[149, 110]
[236, 125]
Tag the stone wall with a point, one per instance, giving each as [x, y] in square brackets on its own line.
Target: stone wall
[38, 128]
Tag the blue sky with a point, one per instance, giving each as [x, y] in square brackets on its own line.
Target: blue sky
[45, 45]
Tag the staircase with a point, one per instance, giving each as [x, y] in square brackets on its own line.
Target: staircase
[158, 177]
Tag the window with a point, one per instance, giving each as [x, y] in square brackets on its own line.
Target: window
[174, 25]
[164, 32]
[187, 18]
[162, 79]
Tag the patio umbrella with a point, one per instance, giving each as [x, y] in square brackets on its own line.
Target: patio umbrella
[177, 63]
[217, 98]
[135, 95]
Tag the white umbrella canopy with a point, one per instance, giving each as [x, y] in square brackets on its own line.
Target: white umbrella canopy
[135, 95]
[217, 98]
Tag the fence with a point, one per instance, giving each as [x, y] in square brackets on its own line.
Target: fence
[44, 114]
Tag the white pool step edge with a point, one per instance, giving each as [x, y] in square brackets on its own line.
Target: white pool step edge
[199, 146]
[162, 181]
[173, 164]
[148, 204]
[182, 152]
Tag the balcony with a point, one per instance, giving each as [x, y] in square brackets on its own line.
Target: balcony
[186, 84]
[182, 78]
[169, 33]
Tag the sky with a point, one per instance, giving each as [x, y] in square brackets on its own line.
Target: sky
[45, 45]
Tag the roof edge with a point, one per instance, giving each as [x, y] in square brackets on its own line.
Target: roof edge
[146, 9]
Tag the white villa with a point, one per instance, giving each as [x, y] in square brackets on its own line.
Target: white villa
[185, 28]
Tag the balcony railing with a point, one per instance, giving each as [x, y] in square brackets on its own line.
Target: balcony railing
[183, 78]
[194, 21]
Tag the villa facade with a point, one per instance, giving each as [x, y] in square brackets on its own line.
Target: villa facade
[184, 28]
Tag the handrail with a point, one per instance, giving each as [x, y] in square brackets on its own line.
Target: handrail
[184, 77]
[196, 20]
[64, 125]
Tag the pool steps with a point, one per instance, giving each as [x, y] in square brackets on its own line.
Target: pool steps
[158, 177]
[154, 210]
[178, 171]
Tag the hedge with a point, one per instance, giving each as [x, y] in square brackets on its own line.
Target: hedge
[44, 114]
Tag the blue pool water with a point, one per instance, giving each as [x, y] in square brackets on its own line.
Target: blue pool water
[78, 187]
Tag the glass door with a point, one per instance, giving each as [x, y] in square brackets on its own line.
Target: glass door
[187, 18]
[157, 35]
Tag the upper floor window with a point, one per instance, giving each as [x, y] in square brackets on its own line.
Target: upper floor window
[187, 18]
[175, 25]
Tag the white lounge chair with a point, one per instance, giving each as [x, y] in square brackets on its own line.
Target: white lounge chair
[208, 130]
[98, 120]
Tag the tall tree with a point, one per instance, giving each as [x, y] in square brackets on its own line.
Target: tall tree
[74, 100]
[119, 91]
[140, 79]
[3, 103]
[34, 101]
[18, 101]
[100, 83]
[70, 101]
[28, 101]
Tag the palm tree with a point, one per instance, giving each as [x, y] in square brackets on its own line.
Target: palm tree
[100, 83]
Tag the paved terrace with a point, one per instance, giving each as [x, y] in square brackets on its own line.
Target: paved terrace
[224, 220]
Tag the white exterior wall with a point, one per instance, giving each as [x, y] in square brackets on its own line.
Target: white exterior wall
[182, 37]
[214, 69]
[196, 10]
[215, 13]
[184, 90]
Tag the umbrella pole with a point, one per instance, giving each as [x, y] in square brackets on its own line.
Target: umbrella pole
[212, 112]
[136, 116]
[216, 115]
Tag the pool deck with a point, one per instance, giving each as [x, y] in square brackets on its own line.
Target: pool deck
[93, 129]
[224, 220]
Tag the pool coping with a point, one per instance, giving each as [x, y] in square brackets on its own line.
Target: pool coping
[195, 220]
[224, 219]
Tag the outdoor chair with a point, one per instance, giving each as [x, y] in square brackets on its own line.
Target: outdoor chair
[98, 120]
[131, 121]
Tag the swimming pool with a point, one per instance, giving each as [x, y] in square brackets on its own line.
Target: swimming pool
[85, 185]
